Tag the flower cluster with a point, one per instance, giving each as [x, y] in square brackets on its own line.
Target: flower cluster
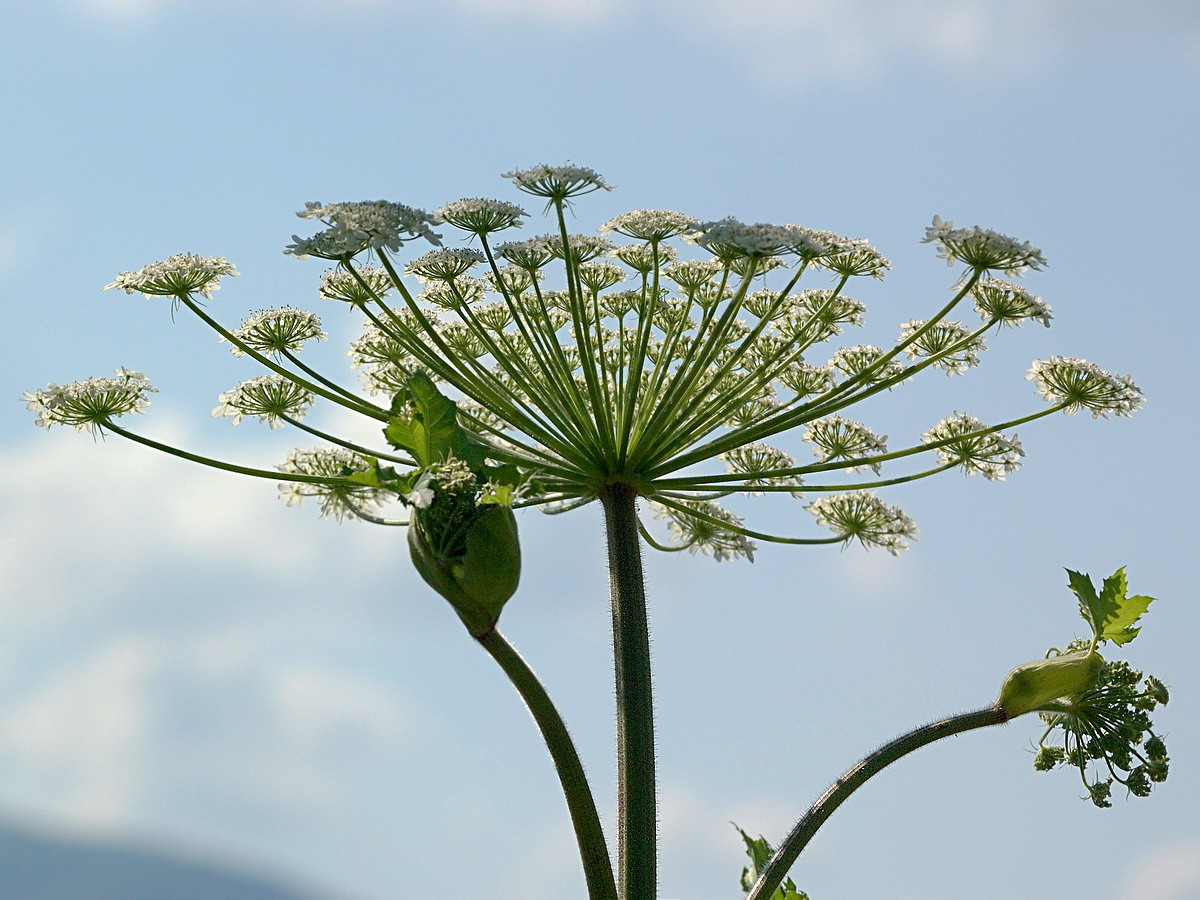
[354, 227]
[983, 249]
[965, 441]
[1105, 732]
[574, 361]
[337, 497]
[276, 331]
[272, 398]
[179, 276]
[1075, 384]
[89, 405]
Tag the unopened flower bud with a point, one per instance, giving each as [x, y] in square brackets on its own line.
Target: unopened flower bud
[479, 580]
[1034, 684]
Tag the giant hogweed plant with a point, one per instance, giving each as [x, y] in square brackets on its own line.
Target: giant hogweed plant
[649, 368]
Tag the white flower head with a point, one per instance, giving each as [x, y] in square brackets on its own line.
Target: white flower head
[729, 239]
[354, 227]
[1008, 303]
[337, 497]
[269, 397]
[179, 276]
[692, 274]
[557, 182]
[992, 455]
[758, 462]
[273, 331]
[695, 529]
[422, 494]
[1080, 384]
[862, 516]
[650, 224]
[837, 438]
[950, 342]
[982, 249]
[88, 405]
[853, 258]
[863, 359]
[581, 247]
[481, 216]
[643, 257]
[445, 264]
[357, 287]
[530, 254]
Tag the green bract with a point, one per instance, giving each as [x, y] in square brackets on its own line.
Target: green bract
[480, 579]
[1034, 684]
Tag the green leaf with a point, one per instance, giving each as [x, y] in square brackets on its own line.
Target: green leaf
[431, 433]
[1082, 587]
[1120, 611]
[760, 853]
[1112, 614]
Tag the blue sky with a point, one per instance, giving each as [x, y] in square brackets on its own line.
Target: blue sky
[184, 660]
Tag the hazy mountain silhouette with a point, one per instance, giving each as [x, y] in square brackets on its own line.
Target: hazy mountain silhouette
[35, 866]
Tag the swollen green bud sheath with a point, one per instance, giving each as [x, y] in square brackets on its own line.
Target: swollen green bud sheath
[479, 580]
[1034, 684]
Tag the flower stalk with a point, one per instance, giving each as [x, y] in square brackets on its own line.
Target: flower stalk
[637, 809]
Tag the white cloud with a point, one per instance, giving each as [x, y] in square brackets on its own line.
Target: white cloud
[1170, 873]
[817, 42]
[84, 519]
[142, 717]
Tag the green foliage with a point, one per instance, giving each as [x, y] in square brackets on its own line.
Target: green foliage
[425, 423]
[1113, 613]
[760, 852]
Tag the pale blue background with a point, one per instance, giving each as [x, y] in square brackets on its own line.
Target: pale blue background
[186, 661]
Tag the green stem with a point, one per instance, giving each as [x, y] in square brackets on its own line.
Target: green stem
[593, 851]
[636, 798]
[874, 763]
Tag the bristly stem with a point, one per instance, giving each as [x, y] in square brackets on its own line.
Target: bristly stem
[593, 851]
[637, 814]
[854, 778]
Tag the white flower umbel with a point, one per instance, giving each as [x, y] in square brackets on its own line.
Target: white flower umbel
[694, 527]
[951, 345]
[650, 224]
[982, 249]
[179, 276]
[337, 499]
[992, 455]
[558, 182]
[88, 405]
[354, 227]
[836, 438]
[1008, 304]
[445, 264]
[580, 364]
[270, 398]
[359, 287]
[756, 462]
[481, 216]
[274, 331]
[862, 516]
[1079, 384]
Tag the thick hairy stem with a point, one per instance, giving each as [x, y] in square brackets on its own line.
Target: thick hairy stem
[637, 806]
[593, 851]
[777, 868]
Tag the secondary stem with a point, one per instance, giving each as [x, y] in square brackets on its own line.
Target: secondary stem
[593, 851]
[636, 800]
[777, 868]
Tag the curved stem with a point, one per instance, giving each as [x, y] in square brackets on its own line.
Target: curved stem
[872, 764]
[593, 851]
[636, 796]
[224, 466]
